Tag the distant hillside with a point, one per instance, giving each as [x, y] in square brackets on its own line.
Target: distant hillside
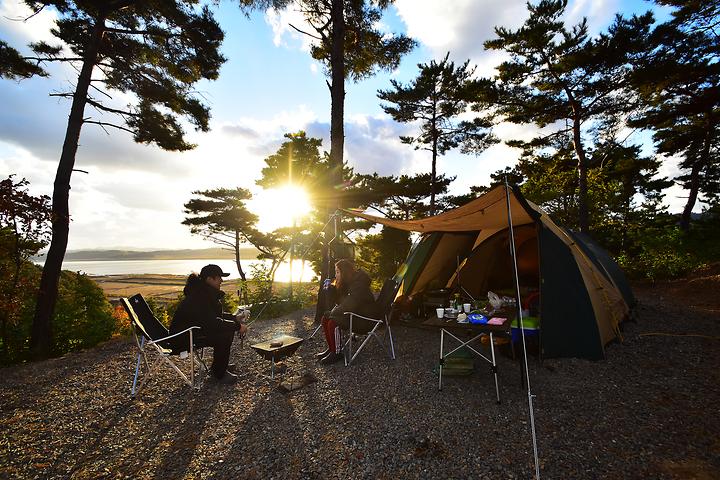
[188, 254]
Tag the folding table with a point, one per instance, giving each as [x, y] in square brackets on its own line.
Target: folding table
[277, 349]
[475, 332]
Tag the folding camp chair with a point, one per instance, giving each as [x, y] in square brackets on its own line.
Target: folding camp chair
[383, 310]
[153, 336]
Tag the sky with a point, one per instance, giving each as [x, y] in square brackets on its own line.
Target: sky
[132, 196]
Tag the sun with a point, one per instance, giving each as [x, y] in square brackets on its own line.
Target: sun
[280, 207]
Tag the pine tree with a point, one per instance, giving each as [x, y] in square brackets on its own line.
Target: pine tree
[221, 216]
[680, 88]
[562, 80]
[439, 94]
[346, 39]
[153, 50]
[299, 162]
[401, 197]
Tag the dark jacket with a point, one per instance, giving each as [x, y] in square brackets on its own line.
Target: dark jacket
[356, 298]
[202, 306]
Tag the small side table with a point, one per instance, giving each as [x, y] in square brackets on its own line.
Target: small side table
[288, 347]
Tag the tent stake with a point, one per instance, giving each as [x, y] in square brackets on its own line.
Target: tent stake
[522, 329]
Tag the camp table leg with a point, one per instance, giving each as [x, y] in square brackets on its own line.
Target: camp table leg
[442, 336]
[494, 367]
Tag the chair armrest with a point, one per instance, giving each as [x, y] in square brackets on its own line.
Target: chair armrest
[174, 335]
[352, 314]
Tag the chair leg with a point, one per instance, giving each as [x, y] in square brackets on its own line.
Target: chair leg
[388, 331]
[137, 373]
[199, 361]
[192, 362]
[148, 373]
[347, 348]
[141, 344]
[371, 333]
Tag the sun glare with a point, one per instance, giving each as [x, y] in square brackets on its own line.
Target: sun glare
[280, 207]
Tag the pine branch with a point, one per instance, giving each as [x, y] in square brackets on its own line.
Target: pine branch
[142, 32]
[304, 32]
[54, 59]
[106, 124]
[98, 90]
[36, 12]
[102, 107]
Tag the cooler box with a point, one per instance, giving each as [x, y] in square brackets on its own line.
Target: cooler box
[531, 327]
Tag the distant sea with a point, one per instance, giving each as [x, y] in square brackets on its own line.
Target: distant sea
[183, 267]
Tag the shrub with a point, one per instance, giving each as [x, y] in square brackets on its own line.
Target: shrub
[662, 254]
[122, 321]
[83, 316]
[268, 302]
[18, 314]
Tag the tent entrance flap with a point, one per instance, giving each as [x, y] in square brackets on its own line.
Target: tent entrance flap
[488, 267]
[441, 264]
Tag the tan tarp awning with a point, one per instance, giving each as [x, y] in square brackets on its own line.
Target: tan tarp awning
[486, 212]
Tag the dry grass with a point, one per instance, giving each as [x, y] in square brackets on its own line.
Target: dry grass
[163, 288]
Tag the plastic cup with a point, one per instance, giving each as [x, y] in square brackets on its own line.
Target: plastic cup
[466, 307]
[440, 312]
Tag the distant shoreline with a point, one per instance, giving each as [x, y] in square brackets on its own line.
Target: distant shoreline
[246, 253]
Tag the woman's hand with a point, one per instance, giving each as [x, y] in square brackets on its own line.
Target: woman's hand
[239, 318]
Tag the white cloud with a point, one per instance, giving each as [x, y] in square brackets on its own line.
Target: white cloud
[372, 145]
[460, 26]
[283, 34]
[20, 27]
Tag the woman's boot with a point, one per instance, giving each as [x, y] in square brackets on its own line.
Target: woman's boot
[331, 357]
[320, 355]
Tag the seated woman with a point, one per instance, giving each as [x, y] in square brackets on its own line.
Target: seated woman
[350, 293]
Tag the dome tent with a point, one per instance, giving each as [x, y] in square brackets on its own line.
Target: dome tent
[581, 288]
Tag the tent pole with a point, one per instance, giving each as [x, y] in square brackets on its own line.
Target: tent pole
[457, 276]
[518, 305]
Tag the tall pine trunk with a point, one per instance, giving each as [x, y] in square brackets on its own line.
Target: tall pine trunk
[695, 174]
[692, 196]
[583, 216]
[433, 175]
[337, 117]
[243, 280]
[41, 331]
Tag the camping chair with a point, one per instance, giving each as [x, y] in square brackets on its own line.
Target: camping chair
[151, 334]
[383, 310]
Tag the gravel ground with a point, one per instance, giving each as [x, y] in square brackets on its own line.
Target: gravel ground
[650, 410]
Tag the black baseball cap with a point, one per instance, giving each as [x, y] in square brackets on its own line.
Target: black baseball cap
[212, 270]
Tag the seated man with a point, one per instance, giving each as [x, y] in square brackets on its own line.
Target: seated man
[352, 294]
[202, 306]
